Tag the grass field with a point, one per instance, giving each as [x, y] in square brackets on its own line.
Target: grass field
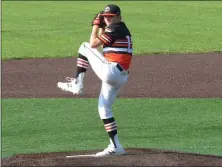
[56, 29]
[47, 125]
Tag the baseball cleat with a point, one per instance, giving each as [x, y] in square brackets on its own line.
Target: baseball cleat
[71, 86]
[111, 151]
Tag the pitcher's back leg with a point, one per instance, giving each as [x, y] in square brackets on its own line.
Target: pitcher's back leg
[106, 99]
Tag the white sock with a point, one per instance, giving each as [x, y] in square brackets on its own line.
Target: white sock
[116, 139]
[80, 77]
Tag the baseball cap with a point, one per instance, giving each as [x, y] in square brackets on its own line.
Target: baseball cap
[111, 10]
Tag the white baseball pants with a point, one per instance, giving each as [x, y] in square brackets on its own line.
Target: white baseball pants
[112, 78]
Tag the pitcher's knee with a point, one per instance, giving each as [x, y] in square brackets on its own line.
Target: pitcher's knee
[85, 44]
[83, 48]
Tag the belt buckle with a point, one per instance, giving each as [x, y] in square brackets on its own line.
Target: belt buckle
[119, 67]
[124, 72]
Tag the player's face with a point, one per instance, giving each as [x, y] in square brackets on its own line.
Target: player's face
[111, 19]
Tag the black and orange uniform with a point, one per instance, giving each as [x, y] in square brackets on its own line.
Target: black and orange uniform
[117, 44]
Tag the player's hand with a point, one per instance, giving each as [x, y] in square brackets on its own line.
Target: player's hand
[99, 20]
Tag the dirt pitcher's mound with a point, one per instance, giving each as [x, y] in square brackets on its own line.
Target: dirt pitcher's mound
[134, 157]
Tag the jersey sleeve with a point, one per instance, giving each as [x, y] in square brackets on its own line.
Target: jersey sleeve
[109, 36]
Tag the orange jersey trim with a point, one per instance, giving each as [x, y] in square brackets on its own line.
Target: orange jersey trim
[103, 40]
[123, 59]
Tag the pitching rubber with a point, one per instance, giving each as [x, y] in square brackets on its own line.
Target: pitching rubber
[95, 156]
[79, 156]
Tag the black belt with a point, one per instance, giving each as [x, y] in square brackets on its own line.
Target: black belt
[121, 68]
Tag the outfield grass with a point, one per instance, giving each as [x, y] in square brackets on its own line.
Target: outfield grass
[48, 125]
[56, 29]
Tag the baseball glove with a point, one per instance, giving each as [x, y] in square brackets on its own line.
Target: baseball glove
[99, 20]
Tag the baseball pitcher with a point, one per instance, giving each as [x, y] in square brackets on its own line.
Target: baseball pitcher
[111, 66]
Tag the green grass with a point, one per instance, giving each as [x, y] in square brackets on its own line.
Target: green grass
[48, 125]
[56, 29]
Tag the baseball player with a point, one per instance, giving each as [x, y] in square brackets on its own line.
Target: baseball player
[111, 66]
